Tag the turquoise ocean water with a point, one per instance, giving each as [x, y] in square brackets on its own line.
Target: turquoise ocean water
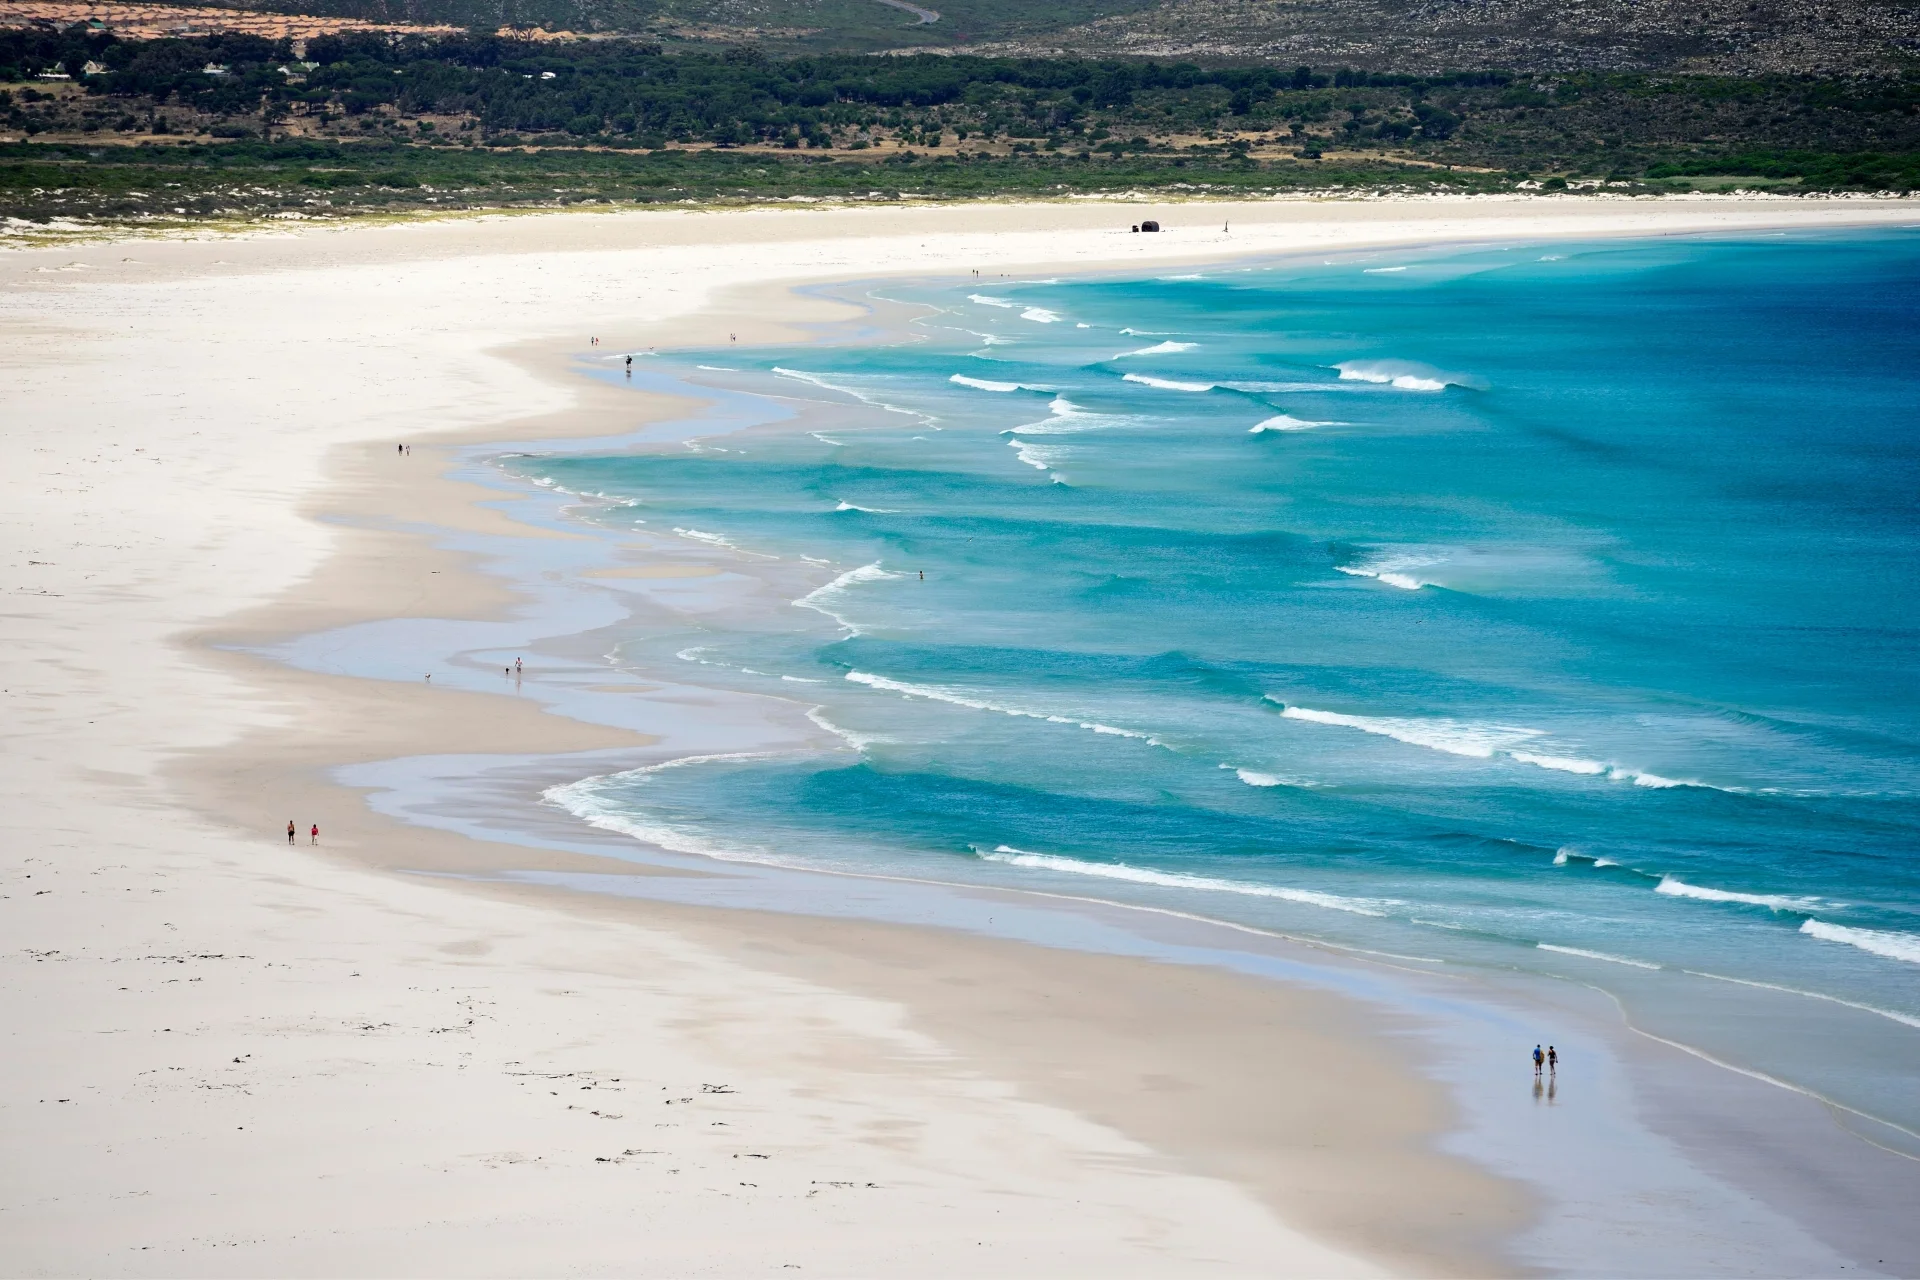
[1547, 608]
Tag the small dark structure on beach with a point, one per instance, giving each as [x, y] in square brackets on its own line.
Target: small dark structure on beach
[1149, 226]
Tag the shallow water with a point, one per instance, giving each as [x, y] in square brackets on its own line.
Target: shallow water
[1541, 608]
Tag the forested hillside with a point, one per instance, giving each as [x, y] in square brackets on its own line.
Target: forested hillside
[241, 124]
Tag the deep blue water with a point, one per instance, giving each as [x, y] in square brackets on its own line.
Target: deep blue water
[1489, 606]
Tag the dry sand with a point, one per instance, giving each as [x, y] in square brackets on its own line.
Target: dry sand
[225, 1056]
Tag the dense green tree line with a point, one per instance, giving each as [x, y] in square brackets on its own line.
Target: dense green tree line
[629, 87]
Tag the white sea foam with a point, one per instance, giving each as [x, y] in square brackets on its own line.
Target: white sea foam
[1438, 733]
[872, 511]
[982, 384]
[1881, 942]
[1596, 955]
[825, 439]
[1287, 422]
[1380, 271]
[986, 301]
[1158, 349]
[586, 800]
[1166, 384]
[833, 597]
[828, 384]
[1256, 779]
[962, 698]
[1563, 764]
[1064, 417]
[1482, 741]
[716, 368]
[1563, 855]
[1175, 880]
[1675, 887]
[1040, 315]
[1392, 567]
[711, 539]
[858, 741]
[1041, 457]
[1407, 375]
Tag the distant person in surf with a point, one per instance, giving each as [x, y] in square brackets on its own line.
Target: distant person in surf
[315, 834]
[1553, 1059]
[289, 830]
[1538, 1058]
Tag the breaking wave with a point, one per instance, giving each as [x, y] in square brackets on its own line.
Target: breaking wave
[1407, 375]
[1165, 384]
[987, 384]
[832, 597]
[1157, 349]
[1455, 737]
[986, 301]
[1287, 422]
[1040, 315]
[1175, 880]
[1675, 887]
[1881, 942]
[958, 698]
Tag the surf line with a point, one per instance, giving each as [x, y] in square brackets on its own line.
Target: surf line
[1317, 944]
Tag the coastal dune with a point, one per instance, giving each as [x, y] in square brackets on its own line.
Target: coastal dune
[368, 1056]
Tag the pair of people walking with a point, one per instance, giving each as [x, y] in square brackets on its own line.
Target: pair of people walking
[313, 835]
[1550, 1059]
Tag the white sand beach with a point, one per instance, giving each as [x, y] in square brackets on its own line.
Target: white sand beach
[229, 1056]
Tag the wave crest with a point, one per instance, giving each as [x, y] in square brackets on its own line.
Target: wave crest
[1407, 375]
[1158, 349]
[1881, 942]
[1287, 422]
[1177, 880]
[1165, 384]
[1674, 887]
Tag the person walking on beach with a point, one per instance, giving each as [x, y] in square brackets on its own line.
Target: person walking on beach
[1538, 1058]
[289, 830]
[1553, 1060]
[516, 666]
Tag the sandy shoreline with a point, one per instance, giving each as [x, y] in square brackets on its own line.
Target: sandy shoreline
[205, 458]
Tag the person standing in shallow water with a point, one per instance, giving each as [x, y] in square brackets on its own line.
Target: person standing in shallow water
[289, 830]
[1553, 1060]
[316, 833]
[1538, 1058]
